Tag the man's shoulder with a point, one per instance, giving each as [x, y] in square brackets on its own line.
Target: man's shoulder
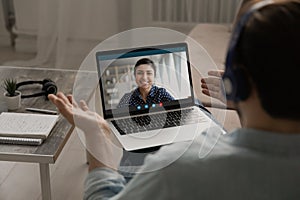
[219, 162]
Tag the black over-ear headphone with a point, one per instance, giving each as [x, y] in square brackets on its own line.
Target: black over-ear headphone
[237, 86]
[48, 87]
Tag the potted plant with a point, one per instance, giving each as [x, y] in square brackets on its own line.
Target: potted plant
[12, 96]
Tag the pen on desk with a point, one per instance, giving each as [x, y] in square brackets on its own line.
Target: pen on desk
[52, 112]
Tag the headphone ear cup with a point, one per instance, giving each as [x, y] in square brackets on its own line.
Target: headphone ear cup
[49, 88]
[243, 87]
[236, 84]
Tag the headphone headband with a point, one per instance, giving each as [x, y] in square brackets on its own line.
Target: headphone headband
[239, 27]
[48, 87]
[28, 83]
[235, 82]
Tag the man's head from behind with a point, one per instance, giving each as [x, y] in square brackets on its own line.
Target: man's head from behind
[264, 55]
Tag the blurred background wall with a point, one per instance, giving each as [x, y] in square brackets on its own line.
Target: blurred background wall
[61, 32]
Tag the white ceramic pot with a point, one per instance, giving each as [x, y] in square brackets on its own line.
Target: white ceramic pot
[13, 103]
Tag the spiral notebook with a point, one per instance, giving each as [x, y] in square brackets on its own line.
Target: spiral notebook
[25, 128]
[18, 140]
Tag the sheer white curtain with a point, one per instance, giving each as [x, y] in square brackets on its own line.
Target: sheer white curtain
[69, 29]
[194, 11]
[172, 74]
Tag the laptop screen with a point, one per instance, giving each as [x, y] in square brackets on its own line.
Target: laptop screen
[144, 79]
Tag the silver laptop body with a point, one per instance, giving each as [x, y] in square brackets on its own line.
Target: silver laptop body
[158, 125]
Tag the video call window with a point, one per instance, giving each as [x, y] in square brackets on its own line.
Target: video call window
[125, 77]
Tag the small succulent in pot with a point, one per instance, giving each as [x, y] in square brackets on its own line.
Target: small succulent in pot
[10, 85]
[12, 96]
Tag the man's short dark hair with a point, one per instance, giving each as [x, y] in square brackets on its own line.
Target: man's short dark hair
[269, 50]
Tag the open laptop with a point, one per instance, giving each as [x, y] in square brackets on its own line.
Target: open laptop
[154, 123]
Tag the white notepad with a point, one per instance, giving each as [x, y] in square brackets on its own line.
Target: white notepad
[26, 125]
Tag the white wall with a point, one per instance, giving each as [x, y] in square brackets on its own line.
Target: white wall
[97, 20]
[4, 35]
[26, 13]
[141, 13]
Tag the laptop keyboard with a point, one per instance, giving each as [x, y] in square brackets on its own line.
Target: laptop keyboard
[157, 121]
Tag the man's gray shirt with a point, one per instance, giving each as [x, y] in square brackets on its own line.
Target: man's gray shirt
[244, 164]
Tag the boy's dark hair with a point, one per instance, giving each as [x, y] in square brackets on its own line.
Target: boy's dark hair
[269, 51]
[144, 61]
